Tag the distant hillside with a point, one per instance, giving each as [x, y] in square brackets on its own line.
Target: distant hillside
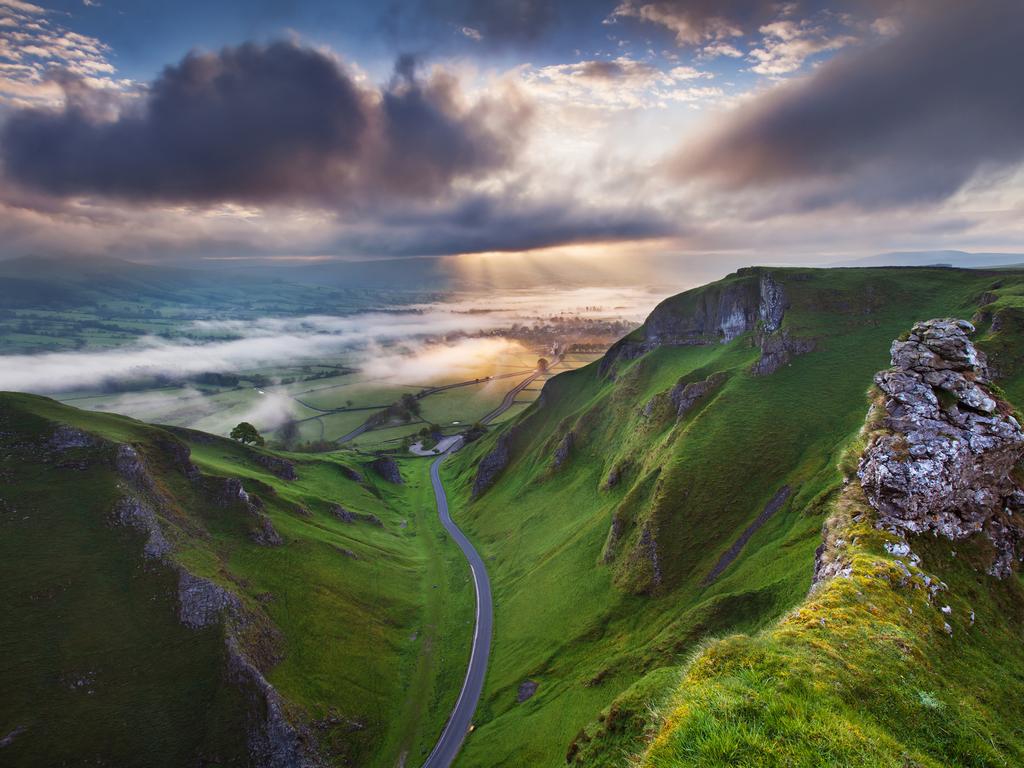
[676, 491]
[172, 599]
[960, 259]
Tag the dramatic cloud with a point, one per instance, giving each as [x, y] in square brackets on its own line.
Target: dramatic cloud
[503, 223]
[276, 123]
[905, 120]
[698, 21]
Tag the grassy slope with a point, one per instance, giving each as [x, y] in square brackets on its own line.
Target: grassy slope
[359, 637]
[588, 631]
[864, 673]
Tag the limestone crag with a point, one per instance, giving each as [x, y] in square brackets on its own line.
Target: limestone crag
[942, 457]
[753, 301]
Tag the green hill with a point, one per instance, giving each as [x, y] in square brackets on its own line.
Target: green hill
[676, 491]
[172, 598]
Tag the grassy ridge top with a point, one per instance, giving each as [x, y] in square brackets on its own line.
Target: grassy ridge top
[602, 564]
[341, 617]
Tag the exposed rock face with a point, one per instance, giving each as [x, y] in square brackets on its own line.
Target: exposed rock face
[493, 463]
[777, 349]
[274, 741]
[944, 459]
[266, 534]
[65, 437]
[387, 468]
[201, 602]
[348, 516]
[753, 301]
[685, 396]
[564, 450]
[277, 466]
[136, 513]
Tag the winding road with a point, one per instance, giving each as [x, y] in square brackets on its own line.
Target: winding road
[454, 733]
[455, 729]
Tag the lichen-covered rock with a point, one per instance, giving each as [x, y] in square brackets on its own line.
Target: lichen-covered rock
[943, 458]
[493, 463]
[277, 466]
[387, 468]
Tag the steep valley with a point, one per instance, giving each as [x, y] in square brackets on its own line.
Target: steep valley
[686, 569]
[676, 491]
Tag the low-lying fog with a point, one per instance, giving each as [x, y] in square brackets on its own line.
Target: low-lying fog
[412, 345]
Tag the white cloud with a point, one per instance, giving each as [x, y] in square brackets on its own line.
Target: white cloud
[787, 44]
[39, 46]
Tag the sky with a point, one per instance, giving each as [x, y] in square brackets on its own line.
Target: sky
[741, 131]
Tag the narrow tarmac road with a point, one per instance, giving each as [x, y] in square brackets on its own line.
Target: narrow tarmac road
[454, 733]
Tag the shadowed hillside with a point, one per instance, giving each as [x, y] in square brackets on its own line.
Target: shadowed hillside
[174, 598]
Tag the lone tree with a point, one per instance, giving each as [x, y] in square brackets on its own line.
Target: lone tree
[542, 364]
[247, 433]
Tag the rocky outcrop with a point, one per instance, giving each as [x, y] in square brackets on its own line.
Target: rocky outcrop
[942, 457]
[351, 474]
[563, 451]
[348, 516]
[135, 513]
[684, 396]
[266, 534]
[275, 465]
[274, 740]
[751, 300]
[777, 349]
[65, 438]
[493, 463]
[202, 602]
[180, 456]
[387, 468]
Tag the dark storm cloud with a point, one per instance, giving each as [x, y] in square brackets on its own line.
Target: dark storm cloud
[910, 119]
[276, 123]
[487, 223]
